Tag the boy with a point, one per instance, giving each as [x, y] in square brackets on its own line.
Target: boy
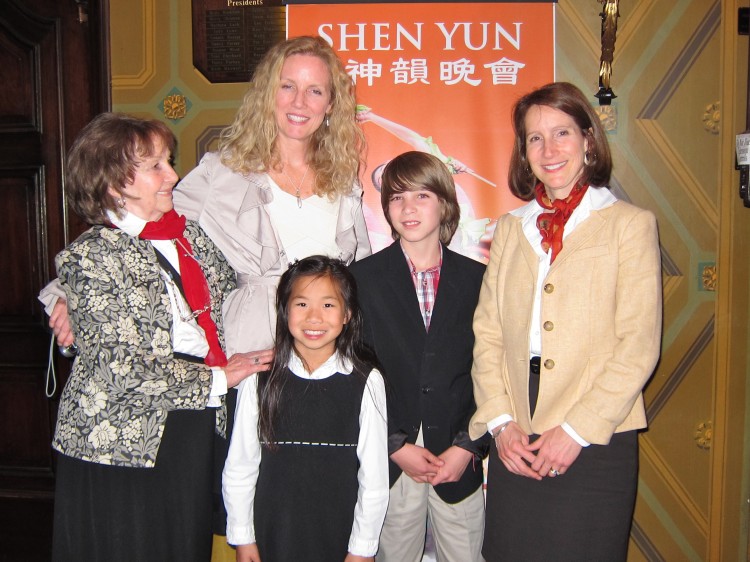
[418, 299]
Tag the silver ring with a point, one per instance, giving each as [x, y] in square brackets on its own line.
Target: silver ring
[554, 472]
[255, 360]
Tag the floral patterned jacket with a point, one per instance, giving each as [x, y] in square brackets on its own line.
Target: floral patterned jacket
[125, 380]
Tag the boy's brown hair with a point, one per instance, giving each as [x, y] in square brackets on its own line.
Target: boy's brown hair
[417, 171]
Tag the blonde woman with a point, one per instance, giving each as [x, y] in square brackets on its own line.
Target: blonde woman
[284, 183]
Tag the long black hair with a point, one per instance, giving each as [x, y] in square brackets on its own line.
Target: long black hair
[349, 343]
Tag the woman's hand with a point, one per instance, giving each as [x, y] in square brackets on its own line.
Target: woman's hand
[248, 553]
[556, 450]
[354, 558]
[512, 448]
[59, 321]
[418, 463]
[456, 460]
[242, 365]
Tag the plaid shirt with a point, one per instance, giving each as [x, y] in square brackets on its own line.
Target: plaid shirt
[426, 285]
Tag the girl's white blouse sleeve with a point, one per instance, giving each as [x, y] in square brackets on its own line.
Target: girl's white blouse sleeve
[372, 451]
[241, 469]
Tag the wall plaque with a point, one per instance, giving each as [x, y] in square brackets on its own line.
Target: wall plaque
[231, 36]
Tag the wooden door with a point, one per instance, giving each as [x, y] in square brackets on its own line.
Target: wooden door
[53, 80]
[680, 72]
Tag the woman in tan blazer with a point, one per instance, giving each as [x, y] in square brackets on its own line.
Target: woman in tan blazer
[567, 333]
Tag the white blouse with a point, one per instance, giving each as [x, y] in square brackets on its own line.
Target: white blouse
[305, 230]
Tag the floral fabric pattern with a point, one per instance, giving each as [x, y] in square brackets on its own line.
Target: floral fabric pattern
[126, 380]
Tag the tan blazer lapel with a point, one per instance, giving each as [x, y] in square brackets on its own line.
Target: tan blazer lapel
[584, 235]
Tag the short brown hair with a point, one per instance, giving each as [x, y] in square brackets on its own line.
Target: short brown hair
[567, 98]
[105, 154]
[414, 171]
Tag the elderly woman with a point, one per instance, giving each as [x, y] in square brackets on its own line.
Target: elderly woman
[137, 416]
[283, 185]
[567, 333]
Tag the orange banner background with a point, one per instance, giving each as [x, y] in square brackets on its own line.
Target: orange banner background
[440, 78]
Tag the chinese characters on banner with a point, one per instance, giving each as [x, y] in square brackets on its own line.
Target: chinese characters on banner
[441, 78]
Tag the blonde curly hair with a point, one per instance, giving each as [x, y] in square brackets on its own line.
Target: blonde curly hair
[248, 145]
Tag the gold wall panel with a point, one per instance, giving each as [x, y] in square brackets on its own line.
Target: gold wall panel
[671, 153]
[133, 44]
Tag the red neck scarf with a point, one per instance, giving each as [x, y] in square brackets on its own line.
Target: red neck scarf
[552, 223]
[172, 227]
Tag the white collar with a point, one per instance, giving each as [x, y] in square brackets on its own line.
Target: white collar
[334, 364]
[130, 224]
[595, 199]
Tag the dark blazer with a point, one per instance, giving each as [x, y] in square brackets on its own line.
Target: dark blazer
[428, 374]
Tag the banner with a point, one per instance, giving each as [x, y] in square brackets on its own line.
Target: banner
[441, 78]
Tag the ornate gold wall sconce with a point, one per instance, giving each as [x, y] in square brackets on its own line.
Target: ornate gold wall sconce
[609, 14]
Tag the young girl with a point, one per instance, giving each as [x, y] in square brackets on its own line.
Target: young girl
[307, 473]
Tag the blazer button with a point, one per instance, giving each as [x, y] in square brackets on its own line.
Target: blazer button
[426, 389]
[548, 288]
[549, 326]
[549, 364]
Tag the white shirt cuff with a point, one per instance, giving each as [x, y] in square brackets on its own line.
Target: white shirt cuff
[50, 294]
[497, 422]
[360, 547]
[240, 535]
[572, 432]
[218, 388]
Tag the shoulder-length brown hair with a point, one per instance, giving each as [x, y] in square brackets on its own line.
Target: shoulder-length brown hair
[249, 144]
[415, 171]
[106, 154]
[567, 98]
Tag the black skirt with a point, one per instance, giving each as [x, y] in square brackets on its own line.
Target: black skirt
[159, 514]
[582, 515]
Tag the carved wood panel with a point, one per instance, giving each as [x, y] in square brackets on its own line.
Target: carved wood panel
[52, 56]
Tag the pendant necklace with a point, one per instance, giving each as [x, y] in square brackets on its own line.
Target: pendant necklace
[295, 186]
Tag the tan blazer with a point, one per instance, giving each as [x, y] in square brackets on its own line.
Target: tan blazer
[601, 326]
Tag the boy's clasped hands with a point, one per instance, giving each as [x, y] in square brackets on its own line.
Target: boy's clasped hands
[423, 466]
